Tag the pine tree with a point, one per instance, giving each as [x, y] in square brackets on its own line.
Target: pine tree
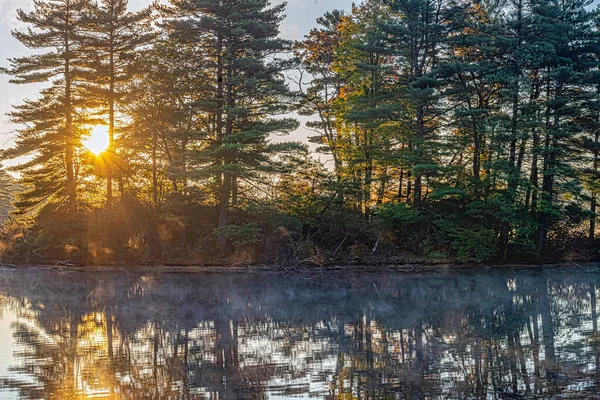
[519, 66]
[53, 122]
[589, 144]
[241, 39]
[415, 31]
[362, 108]
[471, 90]
[165, 103]
[566, 32]
[114, 36]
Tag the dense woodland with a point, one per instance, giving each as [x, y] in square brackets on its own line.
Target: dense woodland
[452, 130]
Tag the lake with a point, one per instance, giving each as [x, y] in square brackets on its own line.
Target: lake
[487, 334]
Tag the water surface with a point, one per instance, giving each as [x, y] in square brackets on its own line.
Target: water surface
[482, 335]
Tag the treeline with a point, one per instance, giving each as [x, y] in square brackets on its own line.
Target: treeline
[454, 130]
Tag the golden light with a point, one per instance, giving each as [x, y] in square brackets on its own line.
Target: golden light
[97, 142]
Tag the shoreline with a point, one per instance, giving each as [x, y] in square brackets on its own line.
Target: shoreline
[275, 269]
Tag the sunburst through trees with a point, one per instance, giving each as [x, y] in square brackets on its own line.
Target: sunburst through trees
[458, 131]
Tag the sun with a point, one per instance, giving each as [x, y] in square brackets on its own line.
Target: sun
[97, 141]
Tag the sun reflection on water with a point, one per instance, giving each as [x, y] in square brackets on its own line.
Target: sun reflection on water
[172, 338]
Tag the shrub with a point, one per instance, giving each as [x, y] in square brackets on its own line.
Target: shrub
[240, 235]
[475, 245]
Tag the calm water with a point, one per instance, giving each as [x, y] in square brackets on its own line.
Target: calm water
[489, 335]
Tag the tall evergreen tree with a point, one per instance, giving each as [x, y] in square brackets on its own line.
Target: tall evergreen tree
[114, 36]
[470, 70]
[241, 39]
[165, 104]
[415, 32]
[53, 122]
[362, 108]
[566, 31]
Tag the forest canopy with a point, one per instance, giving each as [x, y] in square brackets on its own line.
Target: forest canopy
[452, 130]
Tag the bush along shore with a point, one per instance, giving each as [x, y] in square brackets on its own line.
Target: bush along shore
[447, 132]
[268, 236]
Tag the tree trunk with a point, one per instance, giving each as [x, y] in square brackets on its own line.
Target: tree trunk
[111, 122]
[225, 190]
[382, 184]
[533, 178]
[368, 181]
[550, 146]
[154, 175]
[400, 184]
[476, 161]
[417, 190]
[594, 194]
[408, 186]
[234, 191]
[71, 185]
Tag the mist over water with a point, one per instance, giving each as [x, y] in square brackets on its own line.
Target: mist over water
[488, 335]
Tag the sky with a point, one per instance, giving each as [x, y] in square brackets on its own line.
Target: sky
[301, 17]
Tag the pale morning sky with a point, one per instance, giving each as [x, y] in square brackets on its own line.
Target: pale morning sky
[301, 16]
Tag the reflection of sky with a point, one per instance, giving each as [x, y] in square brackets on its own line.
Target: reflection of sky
[7, 318]
[285, 353]
[301, 17]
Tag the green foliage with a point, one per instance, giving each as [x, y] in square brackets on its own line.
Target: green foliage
[240, 235]
[273, 221]
[475, 244]
[397, 215]
[406, 227]
[466, 131]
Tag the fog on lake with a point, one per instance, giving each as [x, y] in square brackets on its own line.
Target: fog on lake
[483, 335]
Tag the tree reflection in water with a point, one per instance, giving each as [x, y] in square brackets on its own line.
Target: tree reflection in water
[492, 335]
